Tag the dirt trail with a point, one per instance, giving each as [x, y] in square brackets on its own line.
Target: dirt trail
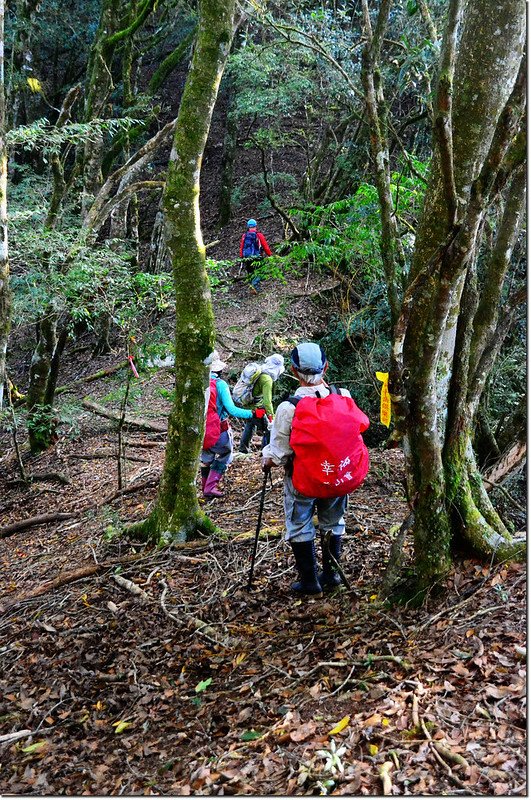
[196, 686]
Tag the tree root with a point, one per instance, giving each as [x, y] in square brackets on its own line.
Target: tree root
[151, 530]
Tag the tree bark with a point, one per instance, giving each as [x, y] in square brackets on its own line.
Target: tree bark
[177, 515]
[99, 86]
[227, 162]
[5, 292]
[390, 247]
[431, 382]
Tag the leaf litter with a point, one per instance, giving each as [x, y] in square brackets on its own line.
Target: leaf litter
[175, 680]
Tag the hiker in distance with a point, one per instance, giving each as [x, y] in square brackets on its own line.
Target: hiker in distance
[316, 436]
[253, 247]
[255, 389]
[216, 454]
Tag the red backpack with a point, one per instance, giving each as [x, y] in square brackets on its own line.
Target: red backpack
[331, 459]
[213, 422]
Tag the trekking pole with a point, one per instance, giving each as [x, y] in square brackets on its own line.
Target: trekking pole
[267, 474]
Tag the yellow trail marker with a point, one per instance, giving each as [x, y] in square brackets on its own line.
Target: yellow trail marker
[34, 84]
[385, 399]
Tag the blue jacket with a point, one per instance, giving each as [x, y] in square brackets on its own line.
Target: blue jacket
[225, 403]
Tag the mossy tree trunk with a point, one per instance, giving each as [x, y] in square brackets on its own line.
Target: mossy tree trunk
[99, 86]
[447, 334]
[177, 514]
[5, 292]
[19, 97]
[390, 245]
[227, 161]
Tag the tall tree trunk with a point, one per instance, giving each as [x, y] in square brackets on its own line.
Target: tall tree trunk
[5, 293]
[391, 249]
[227, 162]
[431, 376]
[99, 86]
[177, 514]
[18, 93]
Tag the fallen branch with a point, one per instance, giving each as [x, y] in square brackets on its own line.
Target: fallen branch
[415, 711]
[110, 454]
[41, 519]
[102, 373]
[201, 627]
[143, 424]
[383, 773]
[449, 755]
[140, 443]
[61, 580]
[51, 476]
[438, 749]
[366, 663]
[7, 738]
[134, 487]
[508, 464]
[130, 586]
[440, 614]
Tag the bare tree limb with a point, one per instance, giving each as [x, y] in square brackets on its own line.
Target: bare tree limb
[132, 165]
[271, 197]
[134, 422]
[110, 205]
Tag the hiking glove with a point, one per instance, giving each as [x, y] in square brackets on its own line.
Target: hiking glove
[259, 413]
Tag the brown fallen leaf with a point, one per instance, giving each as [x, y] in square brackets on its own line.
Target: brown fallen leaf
[303, 732]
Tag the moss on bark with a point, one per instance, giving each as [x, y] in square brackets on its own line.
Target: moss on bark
[177, 514]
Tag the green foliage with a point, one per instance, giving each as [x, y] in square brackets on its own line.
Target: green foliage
[167, 394]
[217, 273]
[80, 280]
[41, 426]
[41, 135]
[509, 377]
[271, 82]
[343, 235]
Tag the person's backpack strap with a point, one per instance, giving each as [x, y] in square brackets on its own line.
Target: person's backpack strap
[294, 400]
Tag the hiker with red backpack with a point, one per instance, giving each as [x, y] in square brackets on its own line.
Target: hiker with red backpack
[216, 454]
[316, 436]
[253, 247]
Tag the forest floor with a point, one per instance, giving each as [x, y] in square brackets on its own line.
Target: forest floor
[128, 670]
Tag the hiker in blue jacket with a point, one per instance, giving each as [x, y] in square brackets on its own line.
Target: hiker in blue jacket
[216, 459]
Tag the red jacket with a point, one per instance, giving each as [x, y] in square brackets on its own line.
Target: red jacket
[262, 240]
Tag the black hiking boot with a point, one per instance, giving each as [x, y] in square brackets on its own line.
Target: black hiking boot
[329, 578]
[308, 583]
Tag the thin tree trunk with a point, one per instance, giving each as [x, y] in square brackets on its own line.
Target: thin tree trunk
[391, 250]
[227, 163]
[39, 413]
[57, 166]
[100, 84]
[18, 92]
[5, 292]
[177, 514]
